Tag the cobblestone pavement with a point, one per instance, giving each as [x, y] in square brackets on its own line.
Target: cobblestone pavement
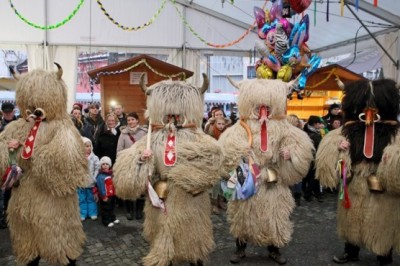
[314, 241]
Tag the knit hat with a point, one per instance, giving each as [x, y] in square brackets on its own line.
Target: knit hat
[86, 140]
[7, 107]
[313, 120]
[333, 106]
[106, 160]
[78, 105]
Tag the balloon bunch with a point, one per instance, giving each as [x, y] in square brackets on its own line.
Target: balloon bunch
[284, 52]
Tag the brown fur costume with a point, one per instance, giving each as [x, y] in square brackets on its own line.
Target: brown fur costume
[264, 218]
[184, 232]
[373, 219]
[43, 212]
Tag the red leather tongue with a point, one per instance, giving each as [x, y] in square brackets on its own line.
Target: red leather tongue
[369, 140]
[29, 144]
[263, 131]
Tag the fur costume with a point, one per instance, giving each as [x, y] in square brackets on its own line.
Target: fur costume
[43, 213]
[372, 219]
[184, 231]
[264, 218]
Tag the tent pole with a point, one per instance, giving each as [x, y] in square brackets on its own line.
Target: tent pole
[396, 63]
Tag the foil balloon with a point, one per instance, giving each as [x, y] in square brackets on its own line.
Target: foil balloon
[285, 73]
[314, 64]
[264, 72]
[306, 21]
[272, 62]
[259, 14]
[276, 10]
[299, 5]
[291, 55]
[285, 24]
[262, 48]
[298, 34]
[270, 39]
[281, 41]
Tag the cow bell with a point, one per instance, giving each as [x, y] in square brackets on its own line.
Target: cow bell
[374, 185]
[161, 188]
[272, 176]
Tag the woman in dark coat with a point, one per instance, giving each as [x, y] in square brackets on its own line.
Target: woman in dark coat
[107, 140]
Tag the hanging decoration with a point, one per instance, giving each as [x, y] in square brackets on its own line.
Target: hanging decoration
[142, 61]
[51, 27]
[135, 28]
[283, 49]
[211, 44]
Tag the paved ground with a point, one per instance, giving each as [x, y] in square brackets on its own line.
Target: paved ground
[314, 241]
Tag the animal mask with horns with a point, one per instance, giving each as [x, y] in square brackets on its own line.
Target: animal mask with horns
[171, 97]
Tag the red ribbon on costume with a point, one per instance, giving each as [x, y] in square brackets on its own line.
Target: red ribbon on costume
[263, 117]
[29, 144]
[346, 201]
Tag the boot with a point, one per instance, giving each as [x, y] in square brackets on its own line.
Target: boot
[221, 203]
[297, 198]
[275, 255]
[215, 208]
[240, 253]
[130, 206]
[350, 254]
[34, 262]
[198, 263]
[385, 260]
[139, 208]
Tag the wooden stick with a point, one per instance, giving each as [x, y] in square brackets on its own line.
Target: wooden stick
[148, 145]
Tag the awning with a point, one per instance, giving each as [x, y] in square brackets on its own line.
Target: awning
[220, 98]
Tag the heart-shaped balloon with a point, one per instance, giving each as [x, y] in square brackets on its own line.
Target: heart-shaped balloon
[299, 5]
[259, 14]
[276, 10]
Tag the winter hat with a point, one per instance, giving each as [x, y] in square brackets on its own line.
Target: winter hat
[313, 120]
[106, 160]
[86, 140]
[78, 105]
[333, 106]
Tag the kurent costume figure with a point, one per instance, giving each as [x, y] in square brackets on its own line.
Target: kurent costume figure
[43, 213]
[184, 164]
[366, 150]
[283, 154]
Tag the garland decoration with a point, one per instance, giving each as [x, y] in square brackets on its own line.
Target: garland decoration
[135, 28]
[50, 27]
[332, 72]
[142, 61]
[209, 43]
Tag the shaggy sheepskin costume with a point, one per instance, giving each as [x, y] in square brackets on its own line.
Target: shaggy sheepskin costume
[43, 212]
[183, 232]
[366, 219]
[263, 219]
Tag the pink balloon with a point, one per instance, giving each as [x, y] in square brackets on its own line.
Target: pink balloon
[276, 10]
[285, 24]
[272, 62]
[259, 14]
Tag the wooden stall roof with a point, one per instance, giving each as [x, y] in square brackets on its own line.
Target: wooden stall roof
[156, 64]
[324, 78]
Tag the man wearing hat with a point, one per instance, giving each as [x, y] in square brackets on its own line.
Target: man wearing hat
[8, 116]
[333, 114]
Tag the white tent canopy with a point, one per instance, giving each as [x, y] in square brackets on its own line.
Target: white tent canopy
[210, 21]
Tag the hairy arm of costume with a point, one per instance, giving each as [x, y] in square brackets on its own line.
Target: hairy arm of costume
[327, 157]
[198, 164]
[14, 130]
[389, 168]
[59, 166]
[234, 145]
[130, 174]
[301, 149]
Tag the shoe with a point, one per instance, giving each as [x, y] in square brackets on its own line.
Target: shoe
[237, 256]
[319, 199]
[308, 198]
[83, 219]
[116, 221]
[277, 257]
[110, 225]
[344, 258]
[94, 217]
[129, 216]
[3, 224]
